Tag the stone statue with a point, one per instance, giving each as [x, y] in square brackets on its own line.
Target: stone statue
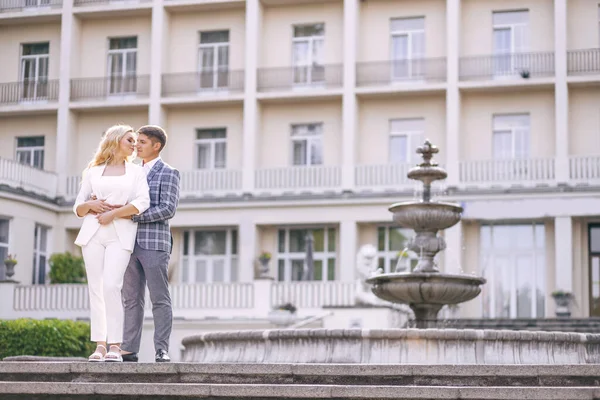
[366, 267]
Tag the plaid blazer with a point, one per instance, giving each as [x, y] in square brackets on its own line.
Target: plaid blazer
[153, 231]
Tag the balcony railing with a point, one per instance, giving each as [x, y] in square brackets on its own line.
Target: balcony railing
[51, 298]
[211, 181]
[73, 299]
[235, 295]
[25, 177]
[584, 169]
[28, 5]
[382, 175]
[499, 172]
[203, 83]
[583, 62]
[111, 2]
[30, 91]
[313, 294]
[314, 177]
[512, 65]
[401, 71]
[300, 78]
[134, 86]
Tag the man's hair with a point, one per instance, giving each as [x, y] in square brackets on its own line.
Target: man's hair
[155, 133]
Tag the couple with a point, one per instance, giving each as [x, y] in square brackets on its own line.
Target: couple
[126, 241]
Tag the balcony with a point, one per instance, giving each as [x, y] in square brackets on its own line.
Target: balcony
[29, 92]
[28, 5]
[203, 85]
[584, 169]
[211, 182]
[300, 79]
[299, 179]
[383, 176]
[110, 88]
[583, 62]
[398, 72]
[79, 3]
[514, 172]
[511, 66]
[27, 178]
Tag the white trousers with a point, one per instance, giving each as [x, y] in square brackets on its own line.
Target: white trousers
[105, 265]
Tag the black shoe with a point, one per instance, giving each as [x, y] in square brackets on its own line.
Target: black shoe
[162, 356]
[131, 357]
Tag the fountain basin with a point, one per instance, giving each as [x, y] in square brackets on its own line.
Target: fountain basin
[424, 216]
[426, 288]
[392, 346]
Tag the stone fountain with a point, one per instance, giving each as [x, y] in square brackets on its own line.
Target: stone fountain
[426, 290]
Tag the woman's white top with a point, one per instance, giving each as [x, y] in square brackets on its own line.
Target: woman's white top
[130, 188]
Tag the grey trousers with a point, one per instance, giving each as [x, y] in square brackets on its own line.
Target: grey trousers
[147, 266]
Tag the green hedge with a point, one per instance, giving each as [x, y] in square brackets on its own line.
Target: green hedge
[54, 338]
[66, 268]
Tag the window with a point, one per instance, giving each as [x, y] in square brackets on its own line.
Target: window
[30, 151]
[405, 136]
[122, 65]
[392, 251]
[34, 70]
[213, 59]
[511, 137]
[40, 254]
[513, 261]
[210, 256]
[292, 253]
[307, 144]
[511, 36]
[307, 56]
[4, 225]
[408, 47]
[211, 148]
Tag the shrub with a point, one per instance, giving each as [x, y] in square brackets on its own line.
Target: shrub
[51, 337]
[66, 268]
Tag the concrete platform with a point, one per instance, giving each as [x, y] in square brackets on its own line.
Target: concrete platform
[107, 381]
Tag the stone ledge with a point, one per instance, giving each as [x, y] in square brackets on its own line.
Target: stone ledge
[393, 346]
[144, 390]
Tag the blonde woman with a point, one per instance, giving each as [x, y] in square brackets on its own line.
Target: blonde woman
[119, 190]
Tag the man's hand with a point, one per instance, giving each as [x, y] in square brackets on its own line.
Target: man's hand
[106, 218]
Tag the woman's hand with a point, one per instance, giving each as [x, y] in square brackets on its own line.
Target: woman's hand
[106, 218]
[98, 206]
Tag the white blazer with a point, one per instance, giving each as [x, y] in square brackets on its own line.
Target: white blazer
[131, 188]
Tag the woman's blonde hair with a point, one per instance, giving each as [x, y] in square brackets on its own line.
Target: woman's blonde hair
[109, 145]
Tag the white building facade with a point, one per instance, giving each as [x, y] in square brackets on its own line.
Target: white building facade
[289, 117]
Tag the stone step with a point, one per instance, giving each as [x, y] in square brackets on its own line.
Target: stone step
[114, 390]
[305, 374]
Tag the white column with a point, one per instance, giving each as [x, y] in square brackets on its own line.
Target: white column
[561, 100]
[347, 251]
[563, 242]
[451, 152]
[453, 259]
[251, 108]
[349, 102]
[247, 253]
[7, 297]
[65, 120]
[157, 55]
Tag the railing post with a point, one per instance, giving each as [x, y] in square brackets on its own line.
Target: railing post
[7, 296]
[262, 296]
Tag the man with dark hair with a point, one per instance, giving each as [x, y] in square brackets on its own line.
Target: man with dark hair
[150, 258]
